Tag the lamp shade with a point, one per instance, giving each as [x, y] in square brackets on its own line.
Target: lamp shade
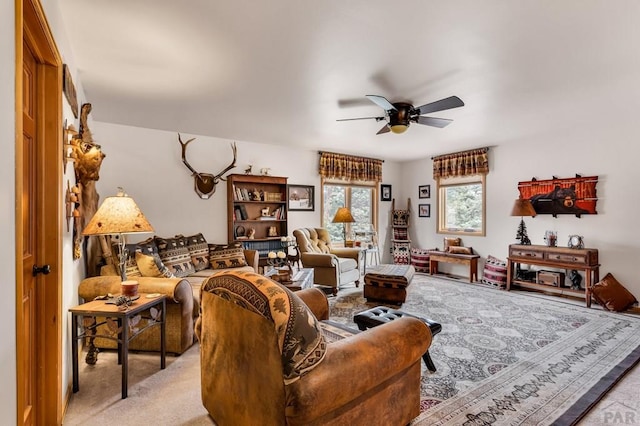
[343, 215]
[523, 207]
[118, 215]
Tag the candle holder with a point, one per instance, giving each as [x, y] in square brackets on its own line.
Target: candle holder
[288, 243]
[280, 263]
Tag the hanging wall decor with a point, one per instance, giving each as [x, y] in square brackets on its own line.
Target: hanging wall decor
[69, 90]
[576, 196]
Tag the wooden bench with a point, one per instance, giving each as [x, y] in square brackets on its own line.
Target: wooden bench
[471, 260]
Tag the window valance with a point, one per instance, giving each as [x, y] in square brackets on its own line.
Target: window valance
[466, 163]
[348, 167]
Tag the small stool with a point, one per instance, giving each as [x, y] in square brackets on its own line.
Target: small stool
[388, 283]
[381, 314]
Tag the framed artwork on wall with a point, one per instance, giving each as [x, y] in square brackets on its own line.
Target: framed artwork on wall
[300, 198]
[385, 192]
[424, 191]
[424, 210]
[69, 90]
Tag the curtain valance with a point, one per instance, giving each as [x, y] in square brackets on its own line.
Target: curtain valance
[348, 167]
[466, 163]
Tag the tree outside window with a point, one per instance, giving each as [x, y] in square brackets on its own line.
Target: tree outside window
[461, 206]
[359, 199]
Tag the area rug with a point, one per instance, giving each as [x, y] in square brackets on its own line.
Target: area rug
[510, 358]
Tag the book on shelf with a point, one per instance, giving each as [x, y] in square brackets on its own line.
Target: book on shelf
[240, 212]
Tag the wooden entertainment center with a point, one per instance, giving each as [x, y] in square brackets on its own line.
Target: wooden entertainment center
[585, 260]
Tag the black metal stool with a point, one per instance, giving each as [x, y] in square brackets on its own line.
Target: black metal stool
[381, 314]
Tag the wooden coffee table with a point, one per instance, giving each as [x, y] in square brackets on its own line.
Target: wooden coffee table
[152, 312]
[302, 278]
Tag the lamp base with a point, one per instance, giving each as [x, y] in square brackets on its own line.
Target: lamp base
[129, 288]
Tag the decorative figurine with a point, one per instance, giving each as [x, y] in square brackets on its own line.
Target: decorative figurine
[576, 279]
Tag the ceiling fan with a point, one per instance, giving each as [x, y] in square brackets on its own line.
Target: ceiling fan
[401, 114]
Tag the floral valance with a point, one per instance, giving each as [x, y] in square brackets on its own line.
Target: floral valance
[348, 167]
[466, 163]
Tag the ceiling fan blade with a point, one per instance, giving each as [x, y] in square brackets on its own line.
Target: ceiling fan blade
[441, 105]
[435, 122]
[385, 129]
[361, 118]
[382, 102]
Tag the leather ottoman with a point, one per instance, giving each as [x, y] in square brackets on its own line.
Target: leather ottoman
[381, 314]
[388, 283]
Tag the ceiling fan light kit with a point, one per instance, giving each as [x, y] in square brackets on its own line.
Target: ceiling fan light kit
[399, 115]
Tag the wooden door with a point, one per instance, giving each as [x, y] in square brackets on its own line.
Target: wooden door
[29, 257]
[38, 219]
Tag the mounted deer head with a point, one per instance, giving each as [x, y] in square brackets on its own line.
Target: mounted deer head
[205, 183]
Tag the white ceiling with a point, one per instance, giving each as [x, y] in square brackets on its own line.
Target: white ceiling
[283, 71]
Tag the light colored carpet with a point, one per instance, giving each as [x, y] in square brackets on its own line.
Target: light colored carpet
[159, 397]
[172, 396]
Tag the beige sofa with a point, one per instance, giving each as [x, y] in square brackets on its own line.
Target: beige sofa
[183, 301]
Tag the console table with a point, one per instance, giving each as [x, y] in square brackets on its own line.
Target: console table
[585, 260]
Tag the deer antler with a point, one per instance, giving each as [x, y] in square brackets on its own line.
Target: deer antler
[230, 166]
[205, 183]
[184, 153]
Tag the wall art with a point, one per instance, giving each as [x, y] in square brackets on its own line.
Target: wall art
[69, 90]
[424, 191]
[300, 198]
[385, 192]
[556, 196]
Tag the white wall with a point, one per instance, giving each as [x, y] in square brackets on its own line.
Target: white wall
[7, 212]
[148, 164]
[596, 149]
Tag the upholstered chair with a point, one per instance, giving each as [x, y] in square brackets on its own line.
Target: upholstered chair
[266, 360]
[332, 266]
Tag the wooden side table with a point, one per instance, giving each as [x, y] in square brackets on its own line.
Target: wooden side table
[125, 329]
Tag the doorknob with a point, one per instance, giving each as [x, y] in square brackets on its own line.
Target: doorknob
[44, 269]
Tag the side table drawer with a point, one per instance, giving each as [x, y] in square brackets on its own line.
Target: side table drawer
[531, 254]
[568, 258]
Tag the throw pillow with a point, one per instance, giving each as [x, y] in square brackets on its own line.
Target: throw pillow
[612, 295]
[226, 256]
[460, 250]
[175, 256]
[495, 272]
[199, 251]
[149, 267]
[130, 266]
[420, 259]
[302, 346]
[451, 241]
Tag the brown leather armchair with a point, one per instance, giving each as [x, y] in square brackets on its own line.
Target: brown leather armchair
[371, 377]
[332, 266]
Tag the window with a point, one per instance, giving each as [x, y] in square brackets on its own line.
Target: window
[461, 205]
[359, 199]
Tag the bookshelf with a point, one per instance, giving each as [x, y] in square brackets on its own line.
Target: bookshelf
[257, 212]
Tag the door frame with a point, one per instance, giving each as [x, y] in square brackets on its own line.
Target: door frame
[32, 28]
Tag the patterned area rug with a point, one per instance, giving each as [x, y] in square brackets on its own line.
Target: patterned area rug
[509, 358]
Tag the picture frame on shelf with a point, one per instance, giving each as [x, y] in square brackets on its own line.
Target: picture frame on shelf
[300, 198]
[385, 192]
[424, 191]
[424, 210]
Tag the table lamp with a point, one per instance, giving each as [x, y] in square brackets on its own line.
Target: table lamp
[523, 207]
[119, 215]
[343, 216]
